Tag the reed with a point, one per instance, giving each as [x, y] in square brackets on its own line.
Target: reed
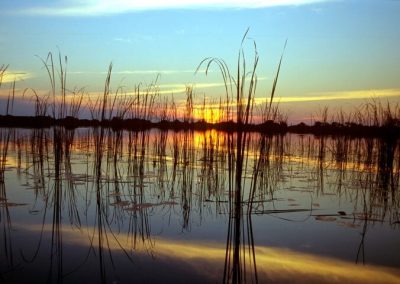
[75, 102]
[188, 115]
[10, 100]
[5, 139]
[40, 102]
[237, 108]
[57, 109]
[147, 174]
[3, 69]
[374, 113]
[268, 110]
[106, 94]
[11, 95]
[238, 96]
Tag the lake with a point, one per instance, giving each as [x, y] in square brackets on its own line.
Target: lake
[102, 206]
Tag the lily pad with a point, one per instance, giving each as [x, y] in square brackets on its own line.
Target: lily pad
[325, 218]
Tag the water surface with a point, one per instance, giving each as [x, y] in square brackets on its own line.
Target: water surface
[161, 206]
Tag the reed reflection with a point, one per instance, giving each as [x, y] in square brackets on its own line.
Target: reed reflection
[120, 192]
[7, 258]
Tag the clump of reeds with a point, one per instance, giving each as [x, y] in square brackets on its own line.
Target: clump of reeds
[5, 134]
[188, 115]
[58, 111]
[381, 115]
[239, 96]
[11, 95]
[98, 108]
[372, 113]
[240, 93]
[145, 100]
[40, 102]
[3, 69]
[63, 102]
[240, 90]
[10, 99]
[75, 102]
[322, 117]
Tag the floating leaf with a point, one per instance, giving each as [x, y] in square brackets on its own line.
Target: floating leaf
[140, 206]
[325, 218]
[168, 203]
[284, 211]
[348, 224]
[11, 204]
[120, 203]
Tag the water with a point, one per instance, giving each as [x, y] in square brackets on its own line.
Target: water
[203, 207]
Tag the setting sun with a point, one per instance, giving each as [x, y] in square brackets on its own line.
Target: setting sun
[212, 141]
[209, 114]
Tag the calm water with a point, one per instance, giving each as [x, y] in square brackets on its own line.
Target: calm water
[199, 207]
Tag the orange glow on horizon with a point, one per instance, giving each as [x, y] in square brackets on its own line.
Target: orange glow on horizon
[210, 115]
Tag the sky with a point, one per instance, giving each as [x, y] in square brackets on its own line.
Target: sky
[339, 53]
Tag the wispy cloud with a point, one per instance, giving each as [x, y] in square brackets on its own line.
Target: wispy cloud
[123, 39]
[11, 76]
[107, 7]
[143, 72]
[340, 95]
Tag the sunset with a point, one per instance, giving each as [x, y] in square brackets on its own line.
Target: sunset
[336, 50]
[213, 141]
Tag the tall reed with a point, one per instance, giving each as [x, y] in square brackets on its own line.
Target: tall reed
[40, 102]
[57, 108]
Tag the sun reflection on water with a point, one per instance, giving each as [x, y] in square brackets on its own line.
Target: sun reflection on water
[278, 265]
[211, 200]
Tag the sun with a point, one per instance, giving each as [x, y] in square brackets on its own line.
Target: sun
[210, 114]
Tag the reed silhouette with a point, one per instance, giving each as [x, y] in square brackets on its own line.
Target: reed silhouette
[144, 107]
[103, 183]
[109, 195]
[7, 259]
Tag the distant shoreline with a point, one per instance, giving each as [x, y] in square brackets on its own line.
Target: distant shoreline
[269, 127]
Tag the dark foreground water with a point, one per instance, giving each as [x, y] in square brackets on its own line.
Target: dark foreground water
[94, 205]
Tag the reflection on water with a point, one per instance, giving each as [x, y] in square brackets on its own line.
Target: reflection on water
[204, 259]
[153, 206]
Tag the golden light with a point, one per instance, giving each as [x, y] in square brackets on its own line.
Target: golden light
[273, 264]
[210, 113]
[16, 75]
[210, 137]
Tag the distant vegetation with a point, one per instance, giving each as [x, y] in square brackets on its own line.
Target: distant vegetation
[145, 107]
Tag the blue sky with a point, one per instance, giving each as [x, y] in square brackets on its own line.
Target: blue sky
[337, 51]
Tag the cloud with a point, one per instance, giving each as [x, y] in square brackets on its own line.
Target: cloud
[143, 72]
[123, 40]
[107, 7]
[11, 76]
[340, 95]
